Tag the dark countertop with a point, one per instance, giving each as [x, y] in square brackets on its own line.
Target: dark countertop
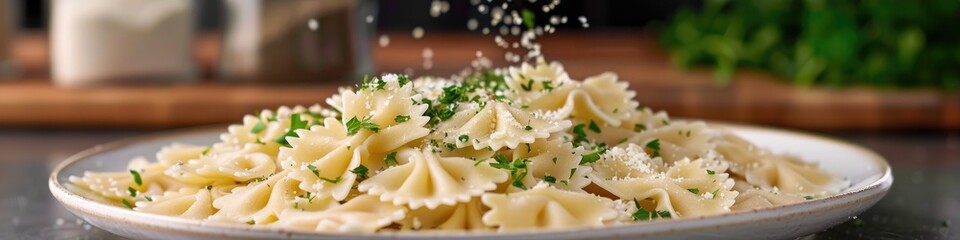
[924, 202]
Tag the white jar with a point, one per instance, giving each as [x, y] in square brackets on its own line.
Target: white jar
[122, 41]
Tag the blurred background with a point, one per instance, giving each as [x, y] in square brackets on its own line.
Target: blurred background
[881, 73]
[884, 64]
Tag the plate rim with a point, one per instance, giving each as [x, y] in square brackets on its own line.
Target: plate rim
[73, 201]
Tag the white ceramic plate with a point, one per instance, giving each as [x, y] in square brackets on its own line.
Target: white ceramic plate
[869, 173]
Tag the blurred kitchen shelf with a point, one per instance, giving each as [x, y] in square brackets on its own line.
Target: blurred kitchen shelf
[32, 101]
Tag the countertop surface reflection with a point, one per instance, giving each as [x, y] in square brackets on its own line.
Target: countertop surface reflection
[924, 202]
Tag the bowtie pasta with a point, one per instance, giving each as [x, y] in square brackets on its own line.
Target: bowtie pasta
[509, 149]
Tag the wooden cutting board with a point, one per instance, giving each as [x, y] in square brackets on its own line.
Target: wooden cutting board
[32, 101]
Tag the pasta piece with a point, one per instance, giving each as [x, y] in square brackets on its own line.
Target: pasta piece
[599, 98]
[463, 216]
[116, 186]
[776, 172]
[223, 167]
[753, 198]
[677, 141]
[548, 208]
[179, 153]
[496, 125]
[192, 203]
[529, 83]
[554, 161]
[687, 189]
[262, 202]
[324, 157]
[265, 132]
[430, 180]
[363, 214]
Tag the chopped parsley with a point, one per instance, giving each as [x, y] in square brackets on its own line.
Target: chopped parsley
[694, 190]
[594, 155]
[594, 127]
[391, 159]
[644, 215]
[354, 125]
[209, 187]
[136, 177]
[549, 179]
[715, 193]
[133, 192]
[314, 170]
[361, 172]
[517, 167]
[528, 128]
[639, 127]
[547, 85]
[527, 87]
[808, 198]
[579, 135]
[710, 172]
[333, 181]
[148, 198]
[403, 80]
[463, 138]
[528, 18]
[655, 146]
[295, 123]
[258, 127]
[205, 151]
[126, 203]
[372, 83]
[401, 118]
[251, 222]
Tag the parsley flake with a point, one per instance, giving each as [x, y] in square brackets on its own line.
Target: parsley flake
[258, 127]
[579, 135]
[639, 127]
[694, 190]
[251, 222]
[549, 179]
[547, 85]
[136, 177]
[295, 123]
[133, 192]
[644, 215]
[594, 155]
[354, 125]
[149, 199]
[391, 159]
[126, 203]
[655, 146]
[361, 172]
[594, 127]
[527, 87]
[403, 80]
[314, 170]
[517, 167]
[808, 198]
[401, 118]
[710, 172]
[463, 138]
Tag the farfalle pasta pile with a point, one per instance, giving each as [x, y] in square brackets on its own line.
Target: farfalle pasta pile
[519, 148]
